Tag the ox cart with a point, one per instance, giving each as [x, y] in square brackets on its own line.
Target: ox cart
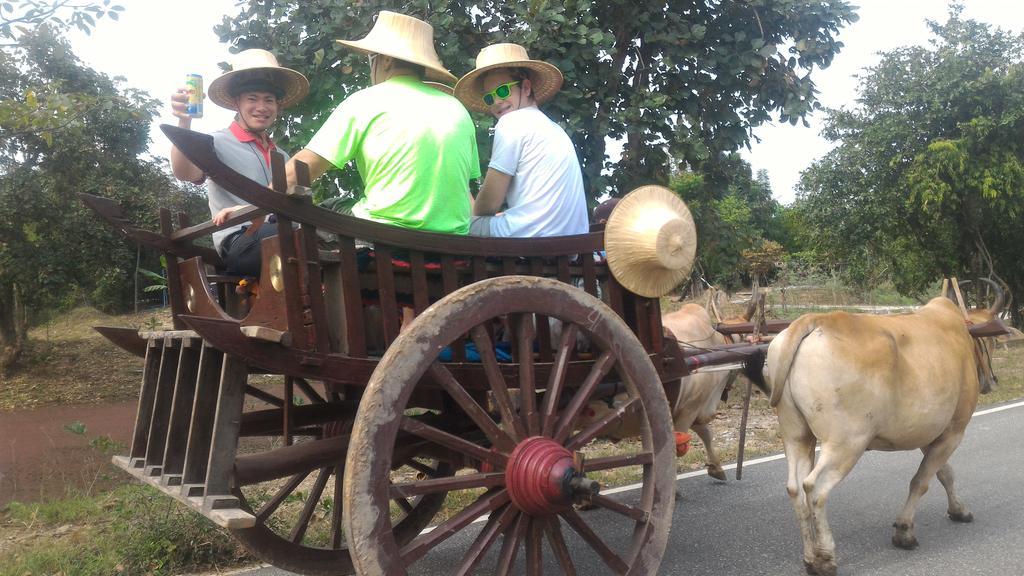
[475, 403]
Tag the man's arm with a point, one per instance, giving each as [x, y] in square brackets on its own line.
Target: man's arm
[317, 165]
[182, 167]
[492, 193]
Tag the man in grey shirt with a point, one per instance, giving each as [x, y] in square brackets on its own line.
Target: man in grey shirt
[257, 89]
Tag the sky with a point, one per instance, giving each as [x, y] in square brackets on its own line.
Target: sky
[155, 44]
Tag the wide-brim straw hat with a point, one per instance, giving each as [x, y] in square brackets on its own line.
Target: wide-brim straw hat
[261, 65]
[442, 87]
[404, 38]
[546, 79]
[651, 241]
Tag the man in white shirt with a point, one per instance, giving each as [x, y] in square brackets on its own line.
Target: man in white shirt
[533, 168]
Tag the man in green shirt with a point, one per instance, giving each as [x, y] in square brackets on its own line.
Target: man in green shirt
[414, 146]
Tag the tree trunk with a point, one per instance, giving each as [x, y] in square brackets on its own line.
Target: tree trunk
[13, 326]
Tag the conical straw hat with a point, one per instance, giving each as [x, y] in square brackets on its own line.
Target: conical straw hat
[405, 38]
[546, 79]
[651, 241]
[258, 64]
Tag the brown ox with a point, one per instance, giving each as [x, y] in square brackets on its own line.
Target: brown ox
[856, 382]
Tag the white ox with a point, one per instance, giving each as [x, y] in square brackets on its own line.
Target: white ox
[696, 402]
[856, 382]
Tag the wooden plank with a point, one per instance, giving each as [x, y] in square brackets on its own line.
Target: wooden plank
[290, 264]
[314, 288]
[449, 284]
[187, 233]
[157, 441]
[418, 271]
[174, 294]
[657, 331]
[181, 411]
[563, 270]
[615, 296]
[144, 412]
[386, 294]
[226, 423]
[355, 326]
[200, 428]
[543, 325]
[642, 319]
[589, 275]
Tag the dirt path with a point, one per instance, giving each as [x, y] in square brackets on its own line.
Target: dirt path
[41, 459]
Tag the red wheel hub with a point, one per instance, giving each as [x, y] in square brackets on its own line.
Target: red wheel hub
[538, 476]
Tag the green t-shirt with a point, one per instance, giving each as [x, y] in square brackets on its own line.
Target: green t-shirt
[415, 148]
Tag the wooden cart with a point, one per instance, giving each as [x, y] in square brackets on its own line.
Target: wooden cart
[479, 405]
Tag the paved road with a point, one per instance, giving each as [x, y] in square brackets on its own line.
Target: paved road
[747, 527]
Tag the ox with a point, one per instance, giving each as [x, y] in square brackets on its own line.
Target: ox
[856, 382]
[695, 400]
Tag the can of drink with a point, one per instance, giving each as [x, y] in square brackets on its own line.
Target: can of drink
[194, 84]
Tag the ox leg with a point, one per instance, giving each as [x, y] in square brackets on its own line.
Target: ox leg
[714, 464]
[798, 443]
[834, 463]
[935, 456]
[957, 510]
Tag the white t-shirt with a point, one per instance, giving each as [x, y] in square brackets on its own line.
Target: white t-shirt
[545, 197]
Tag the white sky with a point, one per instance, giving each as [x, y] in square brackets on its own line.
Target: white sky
[156, 43]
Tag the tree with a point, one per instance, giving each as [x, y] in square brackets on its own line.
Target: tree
[927, 180]
[679, 80]
[53, 252]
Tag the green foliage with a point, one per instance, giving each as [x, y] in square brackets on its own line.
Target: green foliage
[928, 178]
[681, 84]
[735, 217]
[21, 16]
[53, 250]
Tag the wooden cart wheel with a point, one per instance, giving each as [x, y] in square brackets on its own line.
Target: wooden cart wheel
[296, 500]
[537, 460]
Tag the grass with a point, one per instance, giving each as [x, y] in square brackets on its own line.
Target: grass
[130, 530]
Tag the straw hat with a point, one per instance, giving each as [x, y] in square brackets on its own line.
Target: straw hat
[442, 87]
[256, 64]
[545, 78]
[404, 38]
[651, 241]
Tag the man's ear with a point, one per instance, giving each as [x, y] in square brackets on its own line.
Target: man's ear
[527, 88]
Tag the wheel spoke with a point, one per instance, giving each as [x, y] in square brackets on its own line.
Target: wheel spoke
[534, 551]
[553, 528]
[595, 429]
[594, 541]
[448, 484]
[496, 525]
[638, 514]
[265, 396]
[311, 394]
[404, 504]
[485, 347]
[619, 461]
[279, 497]
[422, 468]
[557, 379]
[302, 524]
[527, 380]
[509, 548]
[336, 534]
[487, 502]
[499, 439]
[597, 373]
[452, 441]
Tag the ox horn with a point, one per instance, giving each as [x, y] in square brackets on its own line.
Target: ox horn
[1000, 300]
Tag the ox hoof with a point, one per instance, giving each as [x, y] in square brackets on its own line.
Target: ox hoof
[821, 568]
[716, 472]
[964, 517]
[904, 537]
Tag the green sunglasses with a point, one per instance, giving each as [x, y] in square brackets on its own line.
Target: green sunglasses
[501, 92]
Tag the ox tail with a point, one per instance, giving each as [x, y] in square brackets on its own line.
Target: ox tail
[783, 352]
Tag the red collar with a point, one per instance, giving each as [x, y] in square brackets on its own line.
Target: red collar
[244, 136]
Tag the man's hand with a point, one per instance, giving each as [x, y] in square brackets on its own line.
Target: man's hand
[220, 217]
[179, 107]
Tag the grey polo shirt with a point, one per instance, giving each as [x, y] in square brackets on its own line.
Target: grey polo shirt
[247, 159]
